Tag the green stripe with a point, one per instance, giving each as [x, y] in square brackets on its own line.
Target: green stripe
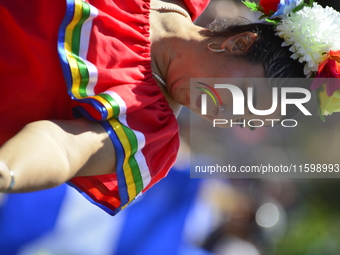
[77, 29]
[137, 177]
[84, 74]
[116, 109]
[113, 103]
[76, 36]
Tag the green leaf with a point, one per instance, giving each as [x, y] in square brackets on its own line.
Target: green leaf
[322, 117]
[252, 6]
[263, 16]
[273, 21]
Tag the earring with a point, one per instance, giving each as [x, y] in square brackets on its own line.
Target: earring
[214, 50]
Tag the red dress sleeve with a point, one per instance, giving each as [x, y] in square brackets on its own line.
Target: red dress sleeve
[100, 69]
[104, 49]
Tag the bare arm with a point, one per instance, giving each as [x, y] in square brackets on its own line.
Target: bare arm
[48, 153]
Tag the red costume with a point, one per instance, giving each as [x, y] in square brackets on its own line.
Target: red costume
[90, 59]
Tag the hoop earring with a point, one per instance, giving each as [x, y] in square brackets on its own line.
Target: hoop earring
[214, 50]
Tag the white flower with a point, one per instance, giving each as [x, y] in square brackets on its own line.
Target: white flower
[311, 32]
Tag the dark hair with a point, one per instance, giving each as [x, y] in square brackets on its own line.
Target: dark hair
[267, 51]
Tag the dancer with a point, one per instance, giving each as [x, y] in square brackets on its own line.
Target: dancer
[90, 90]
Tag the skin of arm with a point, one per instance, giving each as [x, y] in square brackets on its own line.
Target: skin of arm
[45, 154]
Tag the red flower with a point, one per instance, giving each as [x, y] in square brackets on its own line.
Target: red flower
[329, 70]
[269, 5]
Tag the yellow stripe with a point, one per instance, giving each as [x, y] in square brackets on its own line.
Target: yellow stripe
[68, 44]
[105, 103]
[123, 207]
[76, 77]
[131, 187]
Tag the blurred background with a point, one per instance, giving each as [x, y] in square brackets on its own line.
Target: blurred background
[191, 216]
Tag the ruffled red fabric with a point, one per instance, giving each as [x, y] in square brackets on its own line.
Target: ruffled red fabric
[37, 88]
[32, 85]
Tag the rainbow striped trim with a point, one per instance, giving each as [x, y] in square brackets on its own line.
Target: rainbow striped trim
[81, 78]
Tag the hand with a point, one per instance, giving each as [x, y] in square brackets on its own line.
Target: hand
[45, 154]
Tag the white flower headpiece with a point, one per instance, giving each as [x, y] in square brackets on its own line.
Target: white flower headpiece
[313, 34]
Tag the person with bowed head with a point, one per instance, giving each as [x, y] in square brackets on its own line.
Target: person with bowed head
[90, 90]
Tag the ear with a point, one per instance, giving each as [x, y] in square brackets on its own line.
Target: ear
[240, 43]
